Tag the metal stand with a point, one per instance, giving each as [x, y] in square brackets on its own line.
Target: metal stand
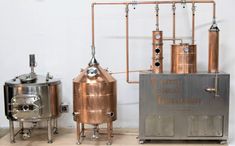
[12, 134]
[83, 131]
[78, 132]
[55, 125]
[109, 130]
[21, 124]
[49, 128]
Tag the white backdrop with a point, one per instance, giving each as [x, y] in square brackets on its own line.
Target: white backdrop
[59, 33]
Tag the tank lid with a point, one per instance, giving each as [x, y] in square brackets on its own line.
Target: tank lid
[28, 78]
[32, 77]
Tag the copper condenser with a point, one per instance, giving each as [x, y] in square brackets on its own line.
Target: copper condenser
[94, 100]
[183, 58]
[213, 64]
[32, 98]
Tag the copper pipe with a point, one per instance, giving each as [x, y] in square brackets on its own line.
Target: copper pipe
[172, 39]
[153, 2]
[127, 25]
[173, 8]
[93, 24]
[131, 71]
[193, 23]
[157, 17]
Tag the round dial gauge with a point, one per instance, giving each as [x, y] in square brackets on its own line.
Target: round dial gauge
[92, 71]
[158, 36]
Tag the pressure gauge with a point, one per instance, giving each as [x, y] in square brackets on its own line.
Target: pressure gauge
[186, 50]
[158, 36]
[92, 72]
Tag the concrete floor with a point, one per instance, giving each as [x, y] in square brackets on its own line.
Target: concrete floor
[3, 132]
[67, 137]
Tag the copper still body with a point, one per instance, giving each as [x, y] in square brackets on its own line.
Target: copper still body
[213, 64]
[157, 63]
[183, 58]
[94, 100]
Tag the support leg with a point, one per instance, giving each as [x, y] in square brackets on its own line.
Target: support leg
[12, 134]
[109, 131]
[78, 133]
[83, 130]
[21, 124]
[55, 125]
[49, 130]
[111, 127]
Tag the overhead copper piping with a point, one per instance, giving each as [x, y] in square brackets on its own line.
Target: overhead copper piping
[93, 25]
[127, 25]
[173, 8]
[157, 17]
[193, 23]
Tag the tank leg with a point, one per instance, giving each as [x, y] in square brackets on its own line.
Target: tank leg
[223, 142]
[109, 131]
[83, 130]
[78, 133]
[12, 135]
[21, 124]
[55, 129]
[112, 129]
[95, 132]
[49, 130]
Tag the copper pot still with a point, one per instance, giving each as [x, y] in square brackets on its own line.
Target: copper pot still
[95, 99]
[183, 58]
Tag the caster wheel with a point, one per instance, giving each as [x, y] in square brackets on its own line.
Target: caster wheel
[78, 142]
[55, 131]
[141, 141]
[109, 143]
[13, 141]
[50, 141]
[223, 142]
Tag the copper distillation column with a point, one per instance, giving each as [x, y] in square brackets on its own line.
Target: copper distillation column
[157, 52]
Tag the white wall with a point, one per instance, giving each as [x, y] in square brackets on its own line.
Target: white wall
[59, 33]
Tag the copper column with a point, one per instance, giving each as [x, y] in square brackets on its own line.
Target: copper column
[213, 64]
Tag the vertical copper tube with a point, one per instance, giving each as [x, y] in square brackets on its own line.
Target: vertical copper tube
[93, 24]
[173, 8]
[213, 64]
[157, 17]
[157, 52]
[127, 44]
[193, 23]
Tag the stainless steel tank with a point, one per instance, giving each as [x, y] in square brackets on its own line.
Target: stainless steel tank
[94, 99]
[32, 98]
